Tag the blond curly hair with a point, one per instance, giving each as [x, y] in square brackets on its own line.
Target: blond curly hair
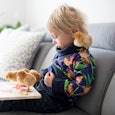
[66, 17]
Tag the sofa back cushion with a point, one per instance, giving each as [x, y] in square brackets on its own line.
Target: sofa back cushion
[103, 35]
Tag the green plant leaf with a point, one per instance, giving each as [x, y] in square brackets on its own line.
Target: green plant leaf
[18, 24]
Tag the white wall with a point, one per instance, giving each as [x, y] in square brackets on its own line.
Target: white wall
[97, 11]
[11, 11]
[36, 12]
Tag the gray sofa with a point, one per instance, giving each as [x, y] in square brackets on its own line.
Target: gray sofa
[101, 99]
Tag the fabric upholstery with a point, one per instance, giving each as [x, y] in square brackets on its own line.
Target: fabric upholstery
[109, 101]
[41, 54]
[103, 35]
[17, 49]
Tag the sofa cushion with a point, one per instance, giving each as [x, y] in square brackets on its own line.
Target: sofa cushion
[47, 37]
[103, 35]
[17, 49]
[109, 100]
[105, 68]
[41, 60]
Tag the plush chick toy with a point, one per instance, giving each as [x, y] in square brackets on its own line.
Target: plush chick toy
[82, 40]
[23, 78]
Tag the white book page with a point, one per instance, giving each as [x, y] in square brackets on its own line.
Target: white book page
[9, 92]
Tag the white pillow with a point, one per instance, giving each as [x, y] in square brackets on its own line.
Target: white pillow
[17, 49]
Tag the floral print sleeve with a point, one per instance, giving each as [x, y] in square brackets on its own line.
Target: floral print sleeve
[79, 71]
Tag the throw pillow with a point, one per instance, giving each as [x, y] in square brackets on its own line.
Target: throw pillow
[17, 49]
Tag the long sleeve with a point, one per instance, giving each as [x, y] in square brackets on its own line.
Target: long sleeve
[58, 86]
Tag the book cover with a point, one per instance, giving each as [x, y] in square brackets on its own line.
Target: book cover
[9, 92]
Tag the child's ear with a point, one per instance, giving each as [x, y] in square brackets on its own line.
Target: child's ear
[73, 30]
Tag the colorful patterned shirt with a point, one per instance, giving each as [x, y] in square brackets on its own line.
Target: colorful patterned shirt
[74, 73]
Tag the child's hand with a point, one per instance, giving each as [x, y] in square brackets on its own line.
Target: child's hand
[49, 78]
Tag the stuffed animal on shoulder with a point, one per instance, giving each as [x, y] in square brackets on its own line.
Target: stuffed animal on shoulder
[82, 40]
[23, 78]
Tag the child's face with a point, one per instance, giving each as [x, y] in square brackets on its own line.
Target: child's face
[61, 39]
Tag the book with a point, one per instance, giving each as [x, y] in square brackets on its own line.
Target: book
[9, 92]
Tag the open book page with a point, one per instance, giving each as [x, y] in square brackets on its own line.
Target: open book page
[9, 92]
